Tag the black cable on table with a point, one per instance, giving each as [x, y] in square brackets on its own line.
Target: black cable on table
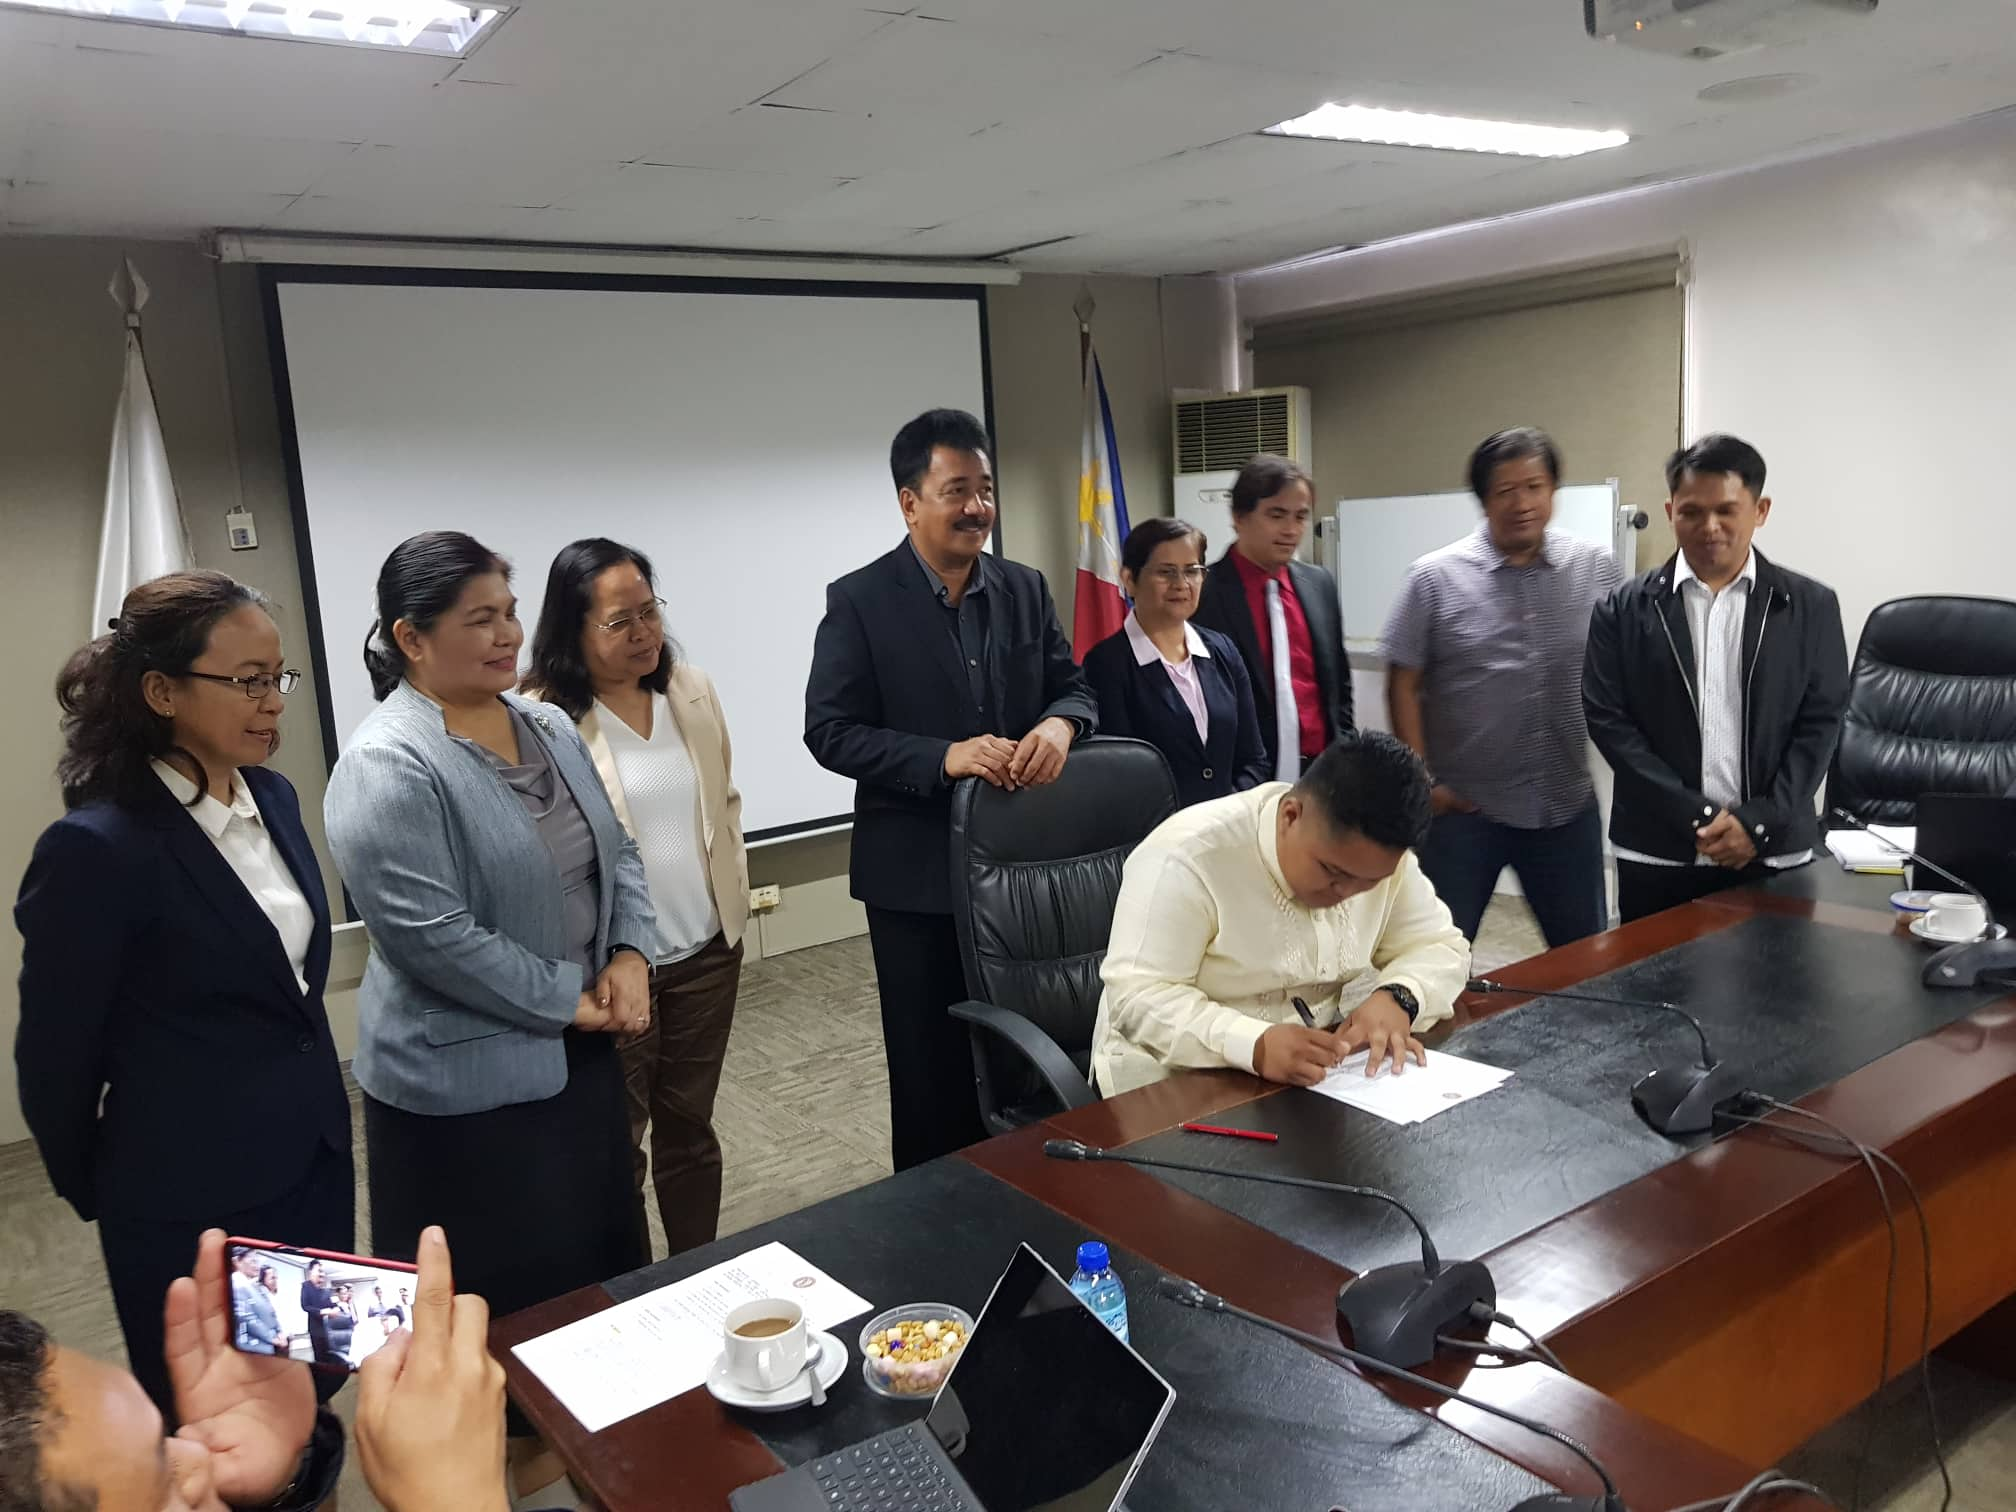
[1506, 1355]
[1189, 1294]
[1770, 1483]
[1534, 1343]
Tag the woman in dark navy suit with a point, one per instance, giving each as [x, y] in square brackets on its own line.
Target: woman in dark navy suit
[175, 1061]
[1164, 680]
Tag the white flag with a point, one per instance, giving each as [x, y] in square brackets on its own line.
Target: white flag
[143, 535]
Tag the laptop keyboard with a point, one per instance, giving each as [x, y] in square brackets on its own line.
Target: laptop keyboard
[897, 1472]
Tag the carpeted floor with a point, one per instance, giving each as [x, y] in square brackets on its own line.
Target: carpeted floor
[803, 1115]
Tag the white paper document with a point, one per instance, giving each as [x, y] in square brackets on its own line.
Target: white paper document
[1859, 850]
[1418, 1093]
[648, 1350]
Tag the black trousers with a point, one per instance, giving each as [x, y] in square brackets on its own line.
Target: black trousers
[934, 1108]
[1643, 890]
[143, 1255]
[536, 1198]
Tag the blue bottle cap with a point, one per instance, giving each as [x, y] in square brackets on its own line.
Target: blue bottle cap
[1092, 1257]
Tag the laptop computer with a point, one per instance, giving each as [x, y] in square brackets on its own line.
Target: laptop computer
[1972, 835]
[1045, 1408]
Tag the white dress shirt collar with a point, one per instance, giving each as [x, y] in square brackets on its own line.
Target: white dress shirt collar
[213, 816]
[1684, 573]
[1146, 651]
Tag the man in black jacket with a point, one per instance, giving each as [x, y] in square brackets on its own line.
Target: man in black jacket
[1283, 615]
[1714, 687]
[936, 662]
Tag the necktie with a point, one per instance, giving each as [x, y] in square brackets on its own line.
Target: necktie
[1287, 723]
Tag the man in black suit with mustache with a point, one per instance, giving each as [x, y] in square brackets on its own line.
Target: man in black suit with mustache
[935, 662]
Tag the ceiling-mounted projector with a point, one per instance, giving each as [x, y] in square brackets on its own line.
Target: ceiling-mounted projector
[1715, 28]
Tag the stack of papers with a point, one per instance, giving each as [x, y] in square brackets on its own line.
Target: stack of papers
[648, 1350]
[1865, 851]
[1416, 1094]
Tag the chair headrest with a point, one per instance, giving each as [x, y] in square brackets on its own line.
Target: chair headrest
[1944, 635]
[1111, 793]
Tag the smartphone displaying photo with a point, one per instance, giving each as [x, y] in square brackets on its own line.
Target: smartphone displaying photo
[327, 1310]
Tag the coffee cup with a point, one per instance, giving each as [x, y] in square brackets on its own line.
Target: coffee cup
[764, 1344]
[1955, 916]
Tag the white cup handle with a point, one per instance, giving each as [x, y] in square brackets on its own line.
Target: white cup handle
[765, 1360]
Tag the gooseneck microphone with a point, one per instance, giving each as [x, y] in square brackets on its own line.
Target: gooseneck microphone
[1970, 963]
[1672, 1099]
[1394, 1311]
[1075, 1149]
[1486, 984]
[1190, 1294]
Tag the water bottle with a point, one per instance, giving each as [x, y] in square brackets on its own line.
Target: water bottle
[1099, 1288]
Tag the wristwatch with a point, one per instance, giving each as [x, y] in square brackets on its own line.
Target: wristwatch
[1404, 996]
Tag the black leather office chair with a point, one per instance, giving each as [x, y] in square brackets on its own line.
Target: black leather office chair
[1931, 707]
[1035, 874]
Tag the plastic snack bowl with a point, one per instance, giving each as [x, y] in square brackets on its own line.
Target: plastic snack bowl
[905, 1380]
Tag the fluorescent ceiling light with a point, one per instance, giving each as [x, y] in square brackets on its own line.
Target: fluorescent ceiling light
[1413, 128]
[423, 26]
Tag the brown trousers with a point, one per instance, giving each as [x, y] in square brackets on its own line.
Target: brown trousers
[671, 1073]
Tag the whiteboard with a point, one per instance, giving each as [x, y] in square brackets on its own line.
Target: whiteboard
[1369, 544]
[737, 435]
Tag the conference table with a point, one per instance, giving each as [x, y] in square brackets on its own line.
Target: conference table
[1716, 1300]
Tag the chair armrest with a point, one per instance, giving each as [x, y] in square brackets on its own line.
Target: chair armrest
[1037, 1048]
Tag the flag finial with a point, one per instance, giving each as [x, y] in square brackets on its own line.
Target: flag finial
[129, 291]
[1083, 307]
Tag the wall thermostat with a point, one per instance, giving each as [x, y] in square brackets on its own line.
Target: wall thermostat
[238, 527]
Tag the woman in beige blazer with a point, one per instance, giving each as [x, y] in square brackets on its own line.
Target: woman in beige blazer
[654, 727]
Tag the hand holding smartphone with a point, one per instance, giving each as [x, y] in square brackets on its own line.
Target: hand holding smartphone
[430, 1405]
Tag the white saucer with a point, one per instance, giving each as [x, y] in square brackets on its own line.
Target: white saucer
[831, 1366]
[1918, 928]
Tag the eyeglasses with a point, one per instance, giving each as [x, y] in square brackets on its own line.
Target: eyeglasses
[259, 684]
[1169, 576]
[650, 614]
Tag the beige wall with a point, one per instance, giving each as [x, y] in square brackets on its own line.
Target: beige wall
[60, 358]
[1398, 411]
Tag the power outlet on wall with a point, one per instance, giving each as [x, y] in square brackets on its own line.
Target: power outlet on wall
[763, 899]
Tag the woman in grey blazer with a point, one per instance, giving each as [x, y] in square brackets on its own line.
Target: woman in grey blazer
[511, 934]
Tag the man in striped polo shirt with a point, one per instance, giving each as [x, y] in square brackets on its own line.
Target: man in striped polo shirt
[1483, 658]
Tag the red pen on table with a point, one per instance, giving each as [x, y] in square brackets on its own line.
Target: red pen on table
[1259, 1134]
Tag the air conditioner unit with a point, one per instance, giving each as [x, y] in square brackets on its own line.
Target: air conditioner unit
[1216, 435]
[1707, 29]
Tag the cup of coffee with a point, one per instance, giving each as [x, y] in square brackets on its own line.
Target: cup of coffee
[1955, 916]
[764, 1343]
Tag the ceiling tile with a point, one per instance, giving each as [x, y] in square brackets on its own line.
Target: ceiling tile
[667, 201]
[956, 77]
[509, 179]
[1117, 134]
[124, 163]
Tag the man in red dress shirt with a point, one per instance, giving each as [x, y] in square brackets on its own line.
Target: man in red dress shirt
[1282, 614]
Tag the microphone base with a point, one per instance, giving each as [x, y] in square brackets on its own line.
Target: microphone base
[1395, 1312]
[1975, 964]
[1683, 1099]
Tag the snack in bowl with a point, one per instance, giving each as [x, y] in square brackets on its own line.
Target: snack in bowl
[908, 1351]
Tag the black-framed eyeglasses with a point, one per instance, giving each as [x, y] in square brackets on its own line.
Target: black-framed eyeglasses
[650, 614]
[259, 684]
